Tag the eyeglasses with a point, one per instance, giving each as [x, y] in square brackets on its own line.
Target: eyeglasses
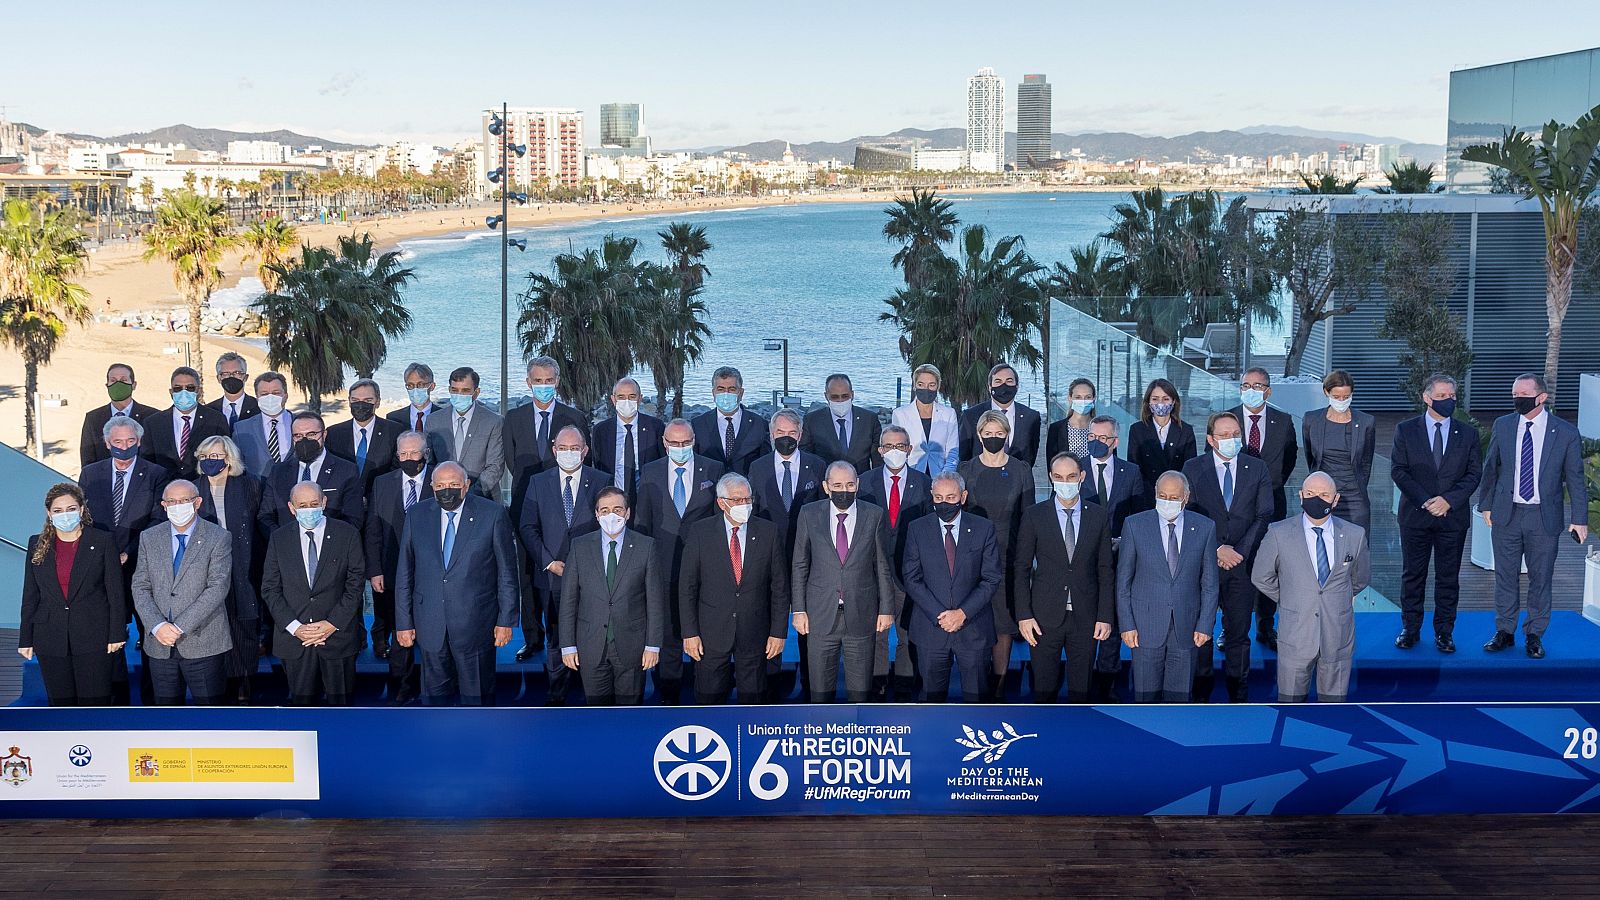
[307, 434]
[179, 501]
[905, 447]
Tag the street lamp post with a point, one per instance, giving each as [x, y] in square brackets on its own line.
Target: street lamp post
[500, 126]
[780, 344]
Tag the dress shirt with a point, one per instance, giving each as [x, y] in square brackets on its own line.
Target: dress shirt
[362, 431]
[187, 536]
[622, 461]
[952, 527]
[1541, 424]
[177, 426]
[849, 524]
[444, 521]
[315, 465]
[794, 470]
[1110, 465]
[281, 422]
[734, 417]
[464, 424]
[321, 532]
[1010, 412]
[1073, 512]
[688, 479]
[122, 410]
[406, 481]
[118, 465]
[849, 421]
[727, 532]
[1161, 430]
[1163, 523]
[1223, 465]
[889, 475]
[231, 407]
[621, 539]
[411, 415]
[1444, 433]
[1311, 540]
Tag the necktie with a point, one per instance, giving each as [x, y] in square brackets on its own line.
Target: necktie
[120, 485]
[611, 566]
[950, 548]
[1227, 485]
[680, 494]
[361, 451]
[1172, 548]
[118, 412]
[727, 440]
[177, 558]
[1525, 465]
[311, 557]
[233, 412]
[844, 442]
[449, 537]
[1100, 483]
[1322, 557]
[274, 449]
[461, 433]
[894, 501]
[411, 493]
[419, 421]
[788, 485]
[566, 500]
[841, 538]
[736, 555]
[1255, 434]
[305, 472]
[628, 460]
[1438, 445]
[183, 439]
[1069, 534]
[542, 450]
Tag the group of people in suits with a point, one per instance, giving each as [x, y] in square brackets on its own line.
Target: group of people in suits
[907, 556]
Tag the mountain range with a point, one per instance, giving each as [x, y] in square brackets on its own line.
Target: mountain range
[203, 138]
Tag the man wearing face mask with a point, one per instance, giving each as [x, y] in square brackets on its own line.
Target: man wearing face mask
[173, 435]
[1436, 467]
[120, 385]
[393, 495]
[613, 606]
[952, 569]
[905, 495]
[180, 592]
[1062, 584]
[841, 429]
[730, 434]
[1533, 459]
[1231, 489]
[1116, 486]
[841, 586]
[627, 442]
[1269, 436]
[313, 583]
[530, 429]
[674, 493]
[1314, 565]
[1166, 592]
[559, 506]
[456, 589]
[420, 405]
[470, 435]
[786, 479]
[1023, 440]
[366, 439]
[234, 404]
[264, 440]
[340, 482]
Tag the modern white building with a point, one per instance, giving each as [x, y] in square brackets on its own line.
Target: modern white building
[257, 152]
[929, 159]
[554, 138]
[986, 121]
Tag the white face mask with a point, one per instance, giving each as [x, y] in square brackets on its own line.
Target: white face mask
[1169, 509]
[569, 460]
[840, 408]
[627, 408]
[1341, 406]
[895, 459]
[612, 524]
[271, 404]
[181, 515]
[740, 514]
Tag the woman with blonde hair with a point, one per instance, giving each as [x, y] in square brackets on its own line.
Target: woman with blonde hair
[231, 497]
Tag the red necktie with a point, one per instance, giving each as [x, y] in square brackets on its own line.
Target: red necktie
[737, 557]
[1255, 435]
[894, 501]
[419, 421]
[183, 440]
[950, 548]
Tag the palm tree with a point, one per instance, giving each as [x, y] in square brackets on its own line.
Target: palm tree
[1326, 183]
[686, 245]
[672, 331]
[922, 225]
[584, 315]
[1561, 172]
[147, 192]
[971, 313]
[1410, 178]
[372, 285]
[268, 241]
[39, 257]
[191, 234]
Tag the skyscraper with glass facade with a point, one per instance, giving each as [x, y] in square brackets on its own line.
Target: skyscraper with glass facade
[1033, 122]
[986, 121]
[1527, 93]
[622, 125]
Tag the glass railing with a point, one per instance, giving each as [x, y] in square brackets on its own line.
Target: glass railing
[26, 481]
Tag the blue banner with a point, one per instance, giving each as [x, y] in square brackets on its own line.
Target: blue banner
[810, 760]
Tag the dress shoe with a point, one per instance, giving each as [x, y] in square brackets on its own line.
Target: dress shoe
[380, 649]
[1267, 637]
[1445, 643]
[525, 653]
[1406, 640]
[1535, 646]
[1500, 641]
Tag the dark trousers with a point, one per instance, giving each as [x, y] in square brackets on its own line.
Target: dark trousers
[1443, 547]
[1044, 661]
[314, 673]
[1523, 536]
[558, 678]
[823, 655]
[975, 661]
[612, 680]
[203, 677]
[1165, 674]
[82, 679]
[1236, 598]
[458, 671]
[716, 674]
[383, 615]
[532, 619]
[667, 676]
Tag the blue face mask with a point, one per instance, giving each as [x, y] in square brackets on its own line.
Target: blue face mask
[66, 521]
[1252, 398]
[309, 517]
[1229, 447]
[544, 393]
[1099, 449]
[461, 402]
[185, 400]
[680, 455]
[125, 453]
[727, 403]
[1083, 407]
[418, 396]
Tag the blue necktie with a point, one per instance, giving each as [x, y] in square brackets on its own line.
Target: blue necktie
[361, 453]
[1322, 557]
[177, 558]
[680, 497]
[1227, 485]
[449, 537]
[1525, 473]
[566, 500]
[788, 485]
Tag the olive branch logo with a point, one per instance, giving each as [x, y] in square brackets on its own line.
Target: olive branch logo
[990, 746]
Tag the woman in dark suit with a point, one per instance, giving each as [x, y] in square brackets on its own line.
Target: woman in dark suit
[74, 610]
[1161, 441]
[231, 497]
[1340, 440]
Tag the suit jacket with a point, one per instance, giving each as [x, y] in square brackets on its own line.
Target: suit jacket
[633, 610]
[723, 613]
[525, 455]
[1024, 437]
[407, 415]
[934, 589]
[161, 445]
[1285, 572]
[1147, 451]
[341, 442]
[916, 501]
[471, 596]
[92, 441]
[656, 515]
[334, 596]
[1419, 480]
[482, 453]
[859, 589]
[93, 612]
[1153, 602]
[386, 522]
[1278, 450]
[195, 600]
[1044, 580]
[340, 482]
[942, 443]
[141, 502]
[1560, 468]
[1128, 490]
[1242, 525]
[820, 437]
[710, 428]
[647, 438]
[764, 487]
[241, 501]
[247, 407]
[1315, 430]
[544, 529]
[251, 439]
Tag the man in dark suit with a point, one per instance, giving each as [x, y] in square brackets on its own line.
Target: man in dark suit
[393, 495]
[842, 586]
[674, 493]
[313, 583]
[624, 444]
[530, 430]
[420, 405]
[234, 404]
[905, 494]
[340, 482]
[842, 430]
[1436, 467]
[613, 606]
[952, 569]
[1533, 459]
[264, 439]
[786, 479]
[730, 434]
[457, 589]
[365, 439]
[1116, 486]
[1234, 491]
[559, 506]
[1062, 583]
[733, 597]
[120, 385]
[1023, 441]
[1269, 435]
[173, 435]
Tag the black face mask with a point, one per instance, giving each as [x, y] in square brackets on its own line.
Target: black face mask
[1003, 393]
[412, 467]
[125, 453]
[1099, 449]
[1316, 507]
[449, 498]
[232, 385]
[1445, 408]
[362, 410]
[994, 444]
[947, 511]
[925, 395]
[307, 449]
[1525, 405]
[785, 445]
[842, 500]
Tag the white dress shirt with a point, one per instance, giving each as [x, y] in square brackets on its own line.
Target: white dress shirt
[1223, 464]
[1541, 424]
[621, 540]
[362, 431]
[126, 409]
[849, 524]
[1444, 433]
[411, 415]
[231, 406]
[727, 532]
[444, 521]
[315, 465]
[406, 482]
[888, 483]
[319, 532]
[1161, 430]
[1010, 412]
[794, 470]
[620, 454]
[1110, 471]
[178, 416]
[688, 479]
[281, 422]
[126, 468]
[187, 536]
[952, 528]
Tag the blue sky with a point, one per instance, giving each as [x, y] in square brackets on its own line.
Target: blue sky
[725, 73]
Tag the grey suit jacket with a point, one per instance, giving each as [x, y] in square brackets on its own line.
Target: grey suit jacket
[1285, 571]
[481, 454]
[250, 436]
[1153, 602]
[634, 608]
[195, 601]
[864, 581]
[1561, 468]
